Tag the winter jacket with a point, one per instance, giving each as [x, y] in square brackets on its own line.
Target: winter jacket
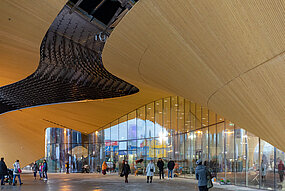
[3, 168]
[170, 165]
[35, 167]
[104, 166]
[16, 166]
[45, 167]
[150, 172]
[126, 169]
[160, 165]
[201, 175]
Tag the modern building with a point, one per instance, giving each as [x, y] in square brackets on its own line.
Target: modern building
[87, 81]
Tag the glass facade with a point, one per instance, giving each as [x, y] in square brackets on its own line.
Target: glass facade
[173, 128]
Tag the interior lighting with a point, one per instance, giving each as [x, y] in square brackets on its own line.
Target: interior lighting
[229, 132]
[199, 132]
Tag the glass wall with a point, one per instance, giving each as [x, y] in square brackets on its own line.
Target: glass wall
[65, 145]
[171, 128]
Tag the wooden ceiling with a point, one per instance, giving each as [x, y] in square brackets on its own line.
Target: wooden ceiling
[226, 55]
[23, 26]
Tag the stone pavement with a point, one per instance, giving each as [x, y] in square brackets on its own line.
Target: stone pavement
[98, 182]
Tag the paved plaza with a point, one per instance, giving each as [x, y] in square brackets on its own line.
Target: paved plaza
[98, 182]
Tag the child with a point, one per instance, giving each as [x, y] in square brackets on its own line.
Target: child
[41, 170]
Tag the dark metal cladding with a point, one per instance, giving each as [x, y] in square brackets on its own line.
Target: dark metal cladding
[70, 68]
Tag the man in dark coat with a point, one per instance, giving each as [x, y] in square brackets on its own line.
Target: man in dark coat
[45, 169]
[160, 165]
[170, 167]
[3, 170]
[126, 171]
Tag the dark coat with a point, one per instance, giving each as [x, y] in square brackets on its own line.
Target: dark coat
[170, 165]
[3, 168]
[126, 169]
[45, 167]
[160, 164]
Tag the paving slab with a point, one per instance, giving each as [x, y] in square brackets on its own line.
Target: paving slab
[98, 182]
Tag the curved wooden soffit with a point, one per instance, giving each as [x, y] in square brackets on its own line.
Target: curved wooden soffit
[226, 55]
[70, 70]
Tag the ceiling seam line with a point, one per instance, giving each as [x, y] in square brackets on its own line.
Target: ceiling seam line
[238, 76]
[140, 74]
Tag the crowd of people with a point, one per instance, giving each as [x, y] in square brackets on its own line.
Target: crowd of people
[125, 169]
[42, 168]
[202, 172]
[4, 171]
[14, 173]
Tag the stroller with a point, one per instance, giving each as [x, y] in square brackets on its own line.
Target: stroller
[9, 177]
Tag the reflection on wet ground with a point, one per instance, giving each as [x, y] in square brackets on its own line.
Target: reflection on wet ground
[98, 182]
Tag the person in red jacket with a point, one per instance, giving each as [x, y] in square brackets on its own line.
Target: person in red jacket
[281, 169]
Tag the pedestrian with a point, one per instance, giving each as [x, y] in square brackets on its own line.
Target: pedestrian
[3, 170]
[150, 171]
[126, 171]
[170, 167]
[104, 168]
[281, 169]
[263, 171]
[201, 176]
[16, 173]
[45, 169]
[35, 169]
[160, 165]
[41, 170]
[67, 167]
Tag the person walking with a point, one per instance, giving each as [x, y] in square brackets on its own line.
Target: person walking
[170, 167]
[35, 169]
[281, 169]
[41, 170]
[263, 171]
[45, 169]
[3, 170]
[104, 168]
[67, 167]
[126, 171]
[150, 169]
[16, 172]
[160, 165]
[201, 175]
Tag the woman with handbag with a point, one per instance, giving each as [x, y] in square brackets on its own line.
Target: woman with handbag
[126, 171]
[16, 172]
[150, 169]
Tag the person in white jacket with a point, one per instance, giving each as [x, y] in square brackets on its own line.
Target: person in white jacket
[150, 169]
[16, 172]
